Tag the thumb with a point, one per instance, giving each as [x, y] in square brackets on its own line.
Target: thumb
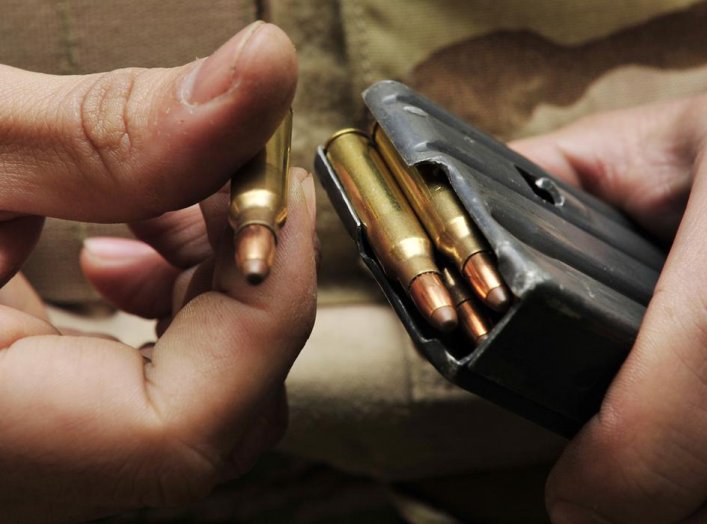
[134, 143]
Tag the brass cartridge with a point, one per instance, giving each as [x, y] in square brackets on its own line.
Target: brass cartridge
[259, 204]
[397, 238]
[471, 314]
[447, 223]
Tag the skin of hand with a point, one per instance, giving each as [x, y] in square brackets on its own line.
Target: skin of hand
[643, 457]
[89, 426]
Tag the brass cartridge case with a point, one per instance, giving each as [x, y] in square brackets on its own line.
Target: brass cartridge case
[258, 206]
[259, 188]
[392, 229]
[435, 204]
[447, 223]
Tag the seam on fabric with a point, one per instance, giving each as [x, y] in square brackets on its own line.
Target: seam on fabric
[248, 11]
[362, 42]
[67, 39]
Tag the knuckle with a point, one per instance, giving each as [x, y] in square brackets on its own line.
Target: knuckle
[110, 122]
[105, 117]
[605, 175]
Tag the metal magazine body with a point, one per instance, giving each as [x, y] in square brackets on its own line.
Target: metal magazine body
[580, 273]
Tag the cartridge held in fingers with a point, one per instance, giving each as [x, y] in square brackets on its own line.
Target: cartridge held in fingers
[258, 205]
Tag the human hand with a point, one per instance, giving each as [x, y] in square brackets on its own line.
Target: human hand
[643, 457]
[88, 426]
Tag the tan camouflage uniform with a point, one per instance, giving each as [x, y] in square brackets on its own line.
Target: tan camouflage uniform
[361, 398]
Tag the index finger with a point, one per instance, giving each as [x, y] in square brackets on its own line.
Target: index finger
[224, 353]
[640, 159]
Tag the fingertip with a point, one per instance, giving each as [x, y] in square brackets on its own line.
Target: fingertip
[255, 55]
[114, 249]
[216, 74]
[258, 48]
[272, 44]
[267, 78]
[129, 274]
[548, 154]
[101, 258]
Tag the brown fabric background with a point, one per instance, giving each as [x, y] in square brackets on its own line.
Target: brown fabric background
[324, 103]
[89, 36]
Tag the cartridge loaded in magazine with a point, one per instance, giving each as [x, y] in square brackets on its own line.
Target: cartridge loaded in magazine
[553, 302]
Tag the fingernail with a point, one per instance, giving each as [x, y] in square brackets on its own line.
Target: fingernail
[115, 248]
[218, 73]
[568, 513]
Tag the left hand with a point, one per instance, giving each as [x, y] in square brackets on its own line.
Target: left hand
[643, 457]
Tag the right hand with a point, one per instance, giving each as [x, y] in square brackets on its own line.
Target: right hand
[88, 426]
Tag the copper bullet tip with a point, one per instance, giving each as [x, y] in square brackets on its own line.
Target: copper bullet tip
[255, 271]
[481, 272]
[498, 298]
[434, 302]
[255, 250]
[444, 319]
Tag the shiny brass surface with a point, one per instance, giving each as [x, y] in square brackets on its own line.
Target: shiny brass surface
[435, 204]
[395, 234]
[447, 223]
[259, 188]
[397, 238]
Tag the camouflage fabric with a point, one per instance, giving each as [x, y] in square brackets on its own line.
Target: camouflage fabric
[361, 398]
[516, 68]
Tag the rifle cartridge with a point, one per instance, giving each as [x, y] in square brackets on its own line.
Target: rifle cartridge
[258, 205]
[471, 314]
[398, 240]
[447, 224]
